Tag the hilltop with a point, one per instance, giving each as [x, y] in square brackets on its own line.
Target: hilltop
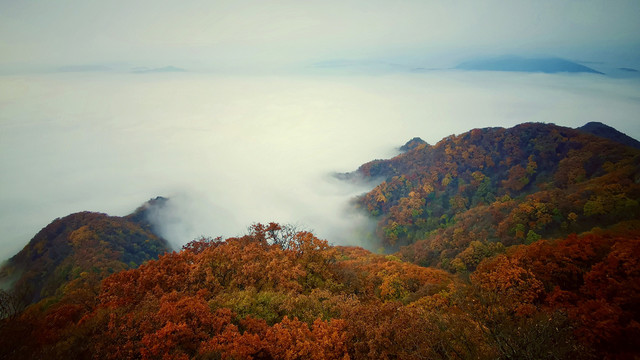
[607, 132]
[78, 248]
[499, 186]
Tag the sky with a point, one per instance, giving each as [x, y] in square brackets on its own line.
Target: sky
[252, 131]
[221, 35]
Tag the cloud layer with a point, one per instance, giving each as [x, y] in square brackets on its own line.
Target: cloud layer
[233, 150]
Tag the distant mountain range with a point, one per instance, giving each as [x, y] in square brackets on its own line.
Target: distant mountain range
[165, 69]
[84, 68]
[521, 64]
[101, 68]
[506, 63]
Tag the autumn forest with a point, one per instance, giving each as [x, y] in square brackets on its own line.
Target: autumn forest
[498, 243]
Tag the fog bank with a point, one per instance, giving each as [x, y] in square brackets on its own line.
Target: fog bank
[233, 150]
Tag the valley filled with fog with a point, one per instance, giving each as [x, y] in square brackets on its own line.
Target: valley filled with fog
[231, 150]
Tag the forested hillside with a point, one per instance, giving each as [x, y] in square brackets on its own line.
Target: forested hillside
[80, 248]
[277, 293]
[519, 243]
[470, 196]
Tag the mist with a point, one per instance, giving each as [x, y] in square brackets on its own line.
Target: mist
[233, 150]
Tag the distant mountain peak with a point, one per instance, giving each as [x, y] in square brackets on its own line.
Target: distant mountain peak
[511, 63]
[412, 144]
[158, 70]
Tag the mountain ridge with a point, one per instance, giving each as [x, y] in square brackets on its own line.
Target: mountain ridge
[512, 63]
[499, 185]
[81, 246]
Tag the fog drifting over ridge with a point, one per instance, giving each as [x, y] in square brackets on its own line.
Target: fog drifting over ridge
[233, 150]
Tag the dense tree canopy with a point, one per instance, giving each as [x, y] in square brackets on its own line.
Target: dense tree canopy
[473, 194]
[79, 248]
[285, 294]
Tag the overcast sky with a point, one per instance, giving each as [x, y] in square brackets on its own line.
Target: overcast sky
[216, 34]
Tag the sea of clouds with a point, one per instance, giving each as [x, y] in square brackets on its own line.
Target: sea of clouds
[233, 150]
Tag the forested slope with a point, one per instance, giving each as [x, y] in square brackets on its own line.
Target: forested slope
[81, 247]
[487, 189]
[281, 294]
